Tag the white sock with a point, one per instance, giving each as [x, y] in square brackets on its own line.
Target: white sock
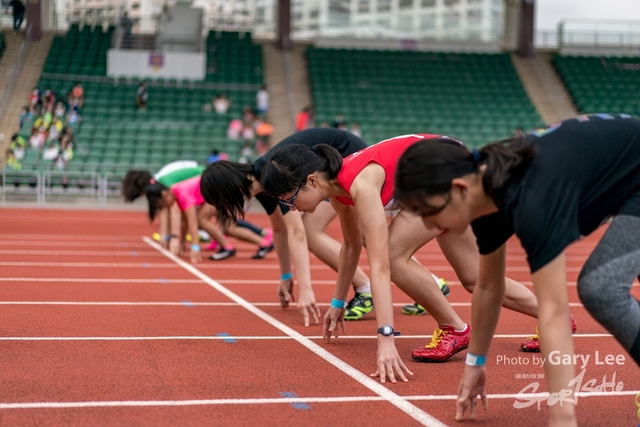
[436, 278]
[463, 329]
[364, 289]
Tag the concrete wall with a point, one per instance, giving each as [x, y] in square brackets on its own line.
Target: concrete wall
[144, 63]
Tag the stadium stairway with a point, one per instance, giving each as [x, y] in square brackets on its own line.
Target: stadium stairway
[300, 77]
[29, 76]
[275, 79]
[544, 87]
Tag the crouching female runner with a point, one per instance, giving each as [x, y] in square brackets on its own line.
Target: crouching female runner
[549, 188]
[230, 186]
[361, 188]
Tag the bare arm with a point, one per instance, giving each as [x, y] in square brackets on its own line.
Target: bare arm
[299, 250]
[347, 265]
[550, 283]
[365, 192]
[488, 294]
[192, 226]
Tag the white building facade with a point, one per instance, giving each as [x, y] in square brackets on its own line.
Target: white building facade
[407, 19]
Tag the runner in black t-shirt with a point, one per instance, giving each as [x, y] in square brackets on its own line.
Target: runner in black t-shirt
[549, 188]
[229, 185]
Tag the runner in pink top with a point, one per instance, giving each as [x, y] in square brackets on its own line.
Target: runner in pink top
[198, 214]
[187, 193]
[359, 188]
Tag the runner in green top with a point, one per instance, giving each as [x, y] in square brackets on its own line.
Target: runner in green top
[136, 183]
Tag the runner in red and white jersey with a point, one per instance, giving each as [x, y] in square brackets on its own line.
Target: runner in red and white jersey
[360, 187]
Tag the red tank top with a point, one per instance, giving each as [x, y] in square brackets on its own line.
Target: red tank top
[385, 153]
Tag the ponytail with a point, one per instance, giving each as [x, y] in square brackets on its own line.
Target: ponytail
[224, 185]
[135, 184]
[154, 195]
[427, 168]
[292, 164]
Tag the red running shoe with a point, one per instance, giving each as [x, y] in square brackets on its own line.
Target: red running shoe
[445, 343]
[532, 344]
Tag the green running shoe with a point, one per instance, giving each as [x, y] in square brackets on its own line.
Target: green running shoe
[360, 305]
[416, 309]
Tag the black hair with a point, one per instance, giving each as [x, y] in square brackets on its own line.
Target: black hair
[154, 196]
[135, 184]
[426, 168]
[224, 185]
[291, 164]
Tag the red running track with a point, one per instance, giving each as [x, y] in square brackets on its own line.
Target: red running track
[98, 327]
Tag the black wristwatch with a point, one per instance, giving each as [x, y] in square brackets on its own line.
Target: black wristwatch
[387, 331]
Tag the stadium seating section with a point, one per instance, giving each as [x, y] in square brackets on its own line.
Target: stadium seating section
[115, 136]
[602, 84]
[475, 97]
[233, 58]
[80, 52]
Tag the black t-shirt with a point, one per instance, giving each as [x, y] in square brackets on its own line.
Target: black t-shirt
[585, 169]
[344, 141]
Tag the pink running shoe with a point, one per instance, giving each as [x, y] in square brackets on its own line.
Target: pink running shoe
[532, 344]
[445, 343]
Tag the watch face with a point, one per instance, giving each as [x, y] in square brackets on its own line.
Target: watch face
[386, 330]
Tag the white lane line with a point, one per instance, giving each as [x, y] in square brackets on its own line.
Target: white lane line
[79, 253]
[388, 395]
[204, 304]
[222, 281]
[527, 397]
[56, 243]
[72, 237]
[97, 280]
[215, 266]
[258, 338]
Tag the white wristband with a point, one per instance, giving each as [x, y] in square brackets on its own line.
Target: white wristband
[475, 360]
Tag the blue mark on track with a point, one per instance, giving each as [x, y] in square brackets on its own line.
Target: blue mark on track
[227, 340]
[134, 253]
[163, 280]
[188, 303]
[146, 265]
[296, 405]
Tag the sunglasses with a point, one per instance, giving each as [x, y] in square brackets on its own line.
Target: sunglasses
[290, 203]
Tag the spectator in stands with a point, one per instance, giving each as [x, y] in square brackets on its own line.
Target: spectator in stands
[248, 134]
[126, 25]
[262, 101]
[338, 121]
[264, 130]
[142, 96]
[355, 129]
[247, 114]
[74, 103]
[18, 146]
[25, 114]
[246, 154]
[60, 110]
[38, 137]
[235, 128]
[325, 125]
[78, 94]
[73, 118]
[51, 152]
[48, 99]
[12, 161]
[18, 14]
[221, 104]
[213, 157]
[303, 119]
[34, 98]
